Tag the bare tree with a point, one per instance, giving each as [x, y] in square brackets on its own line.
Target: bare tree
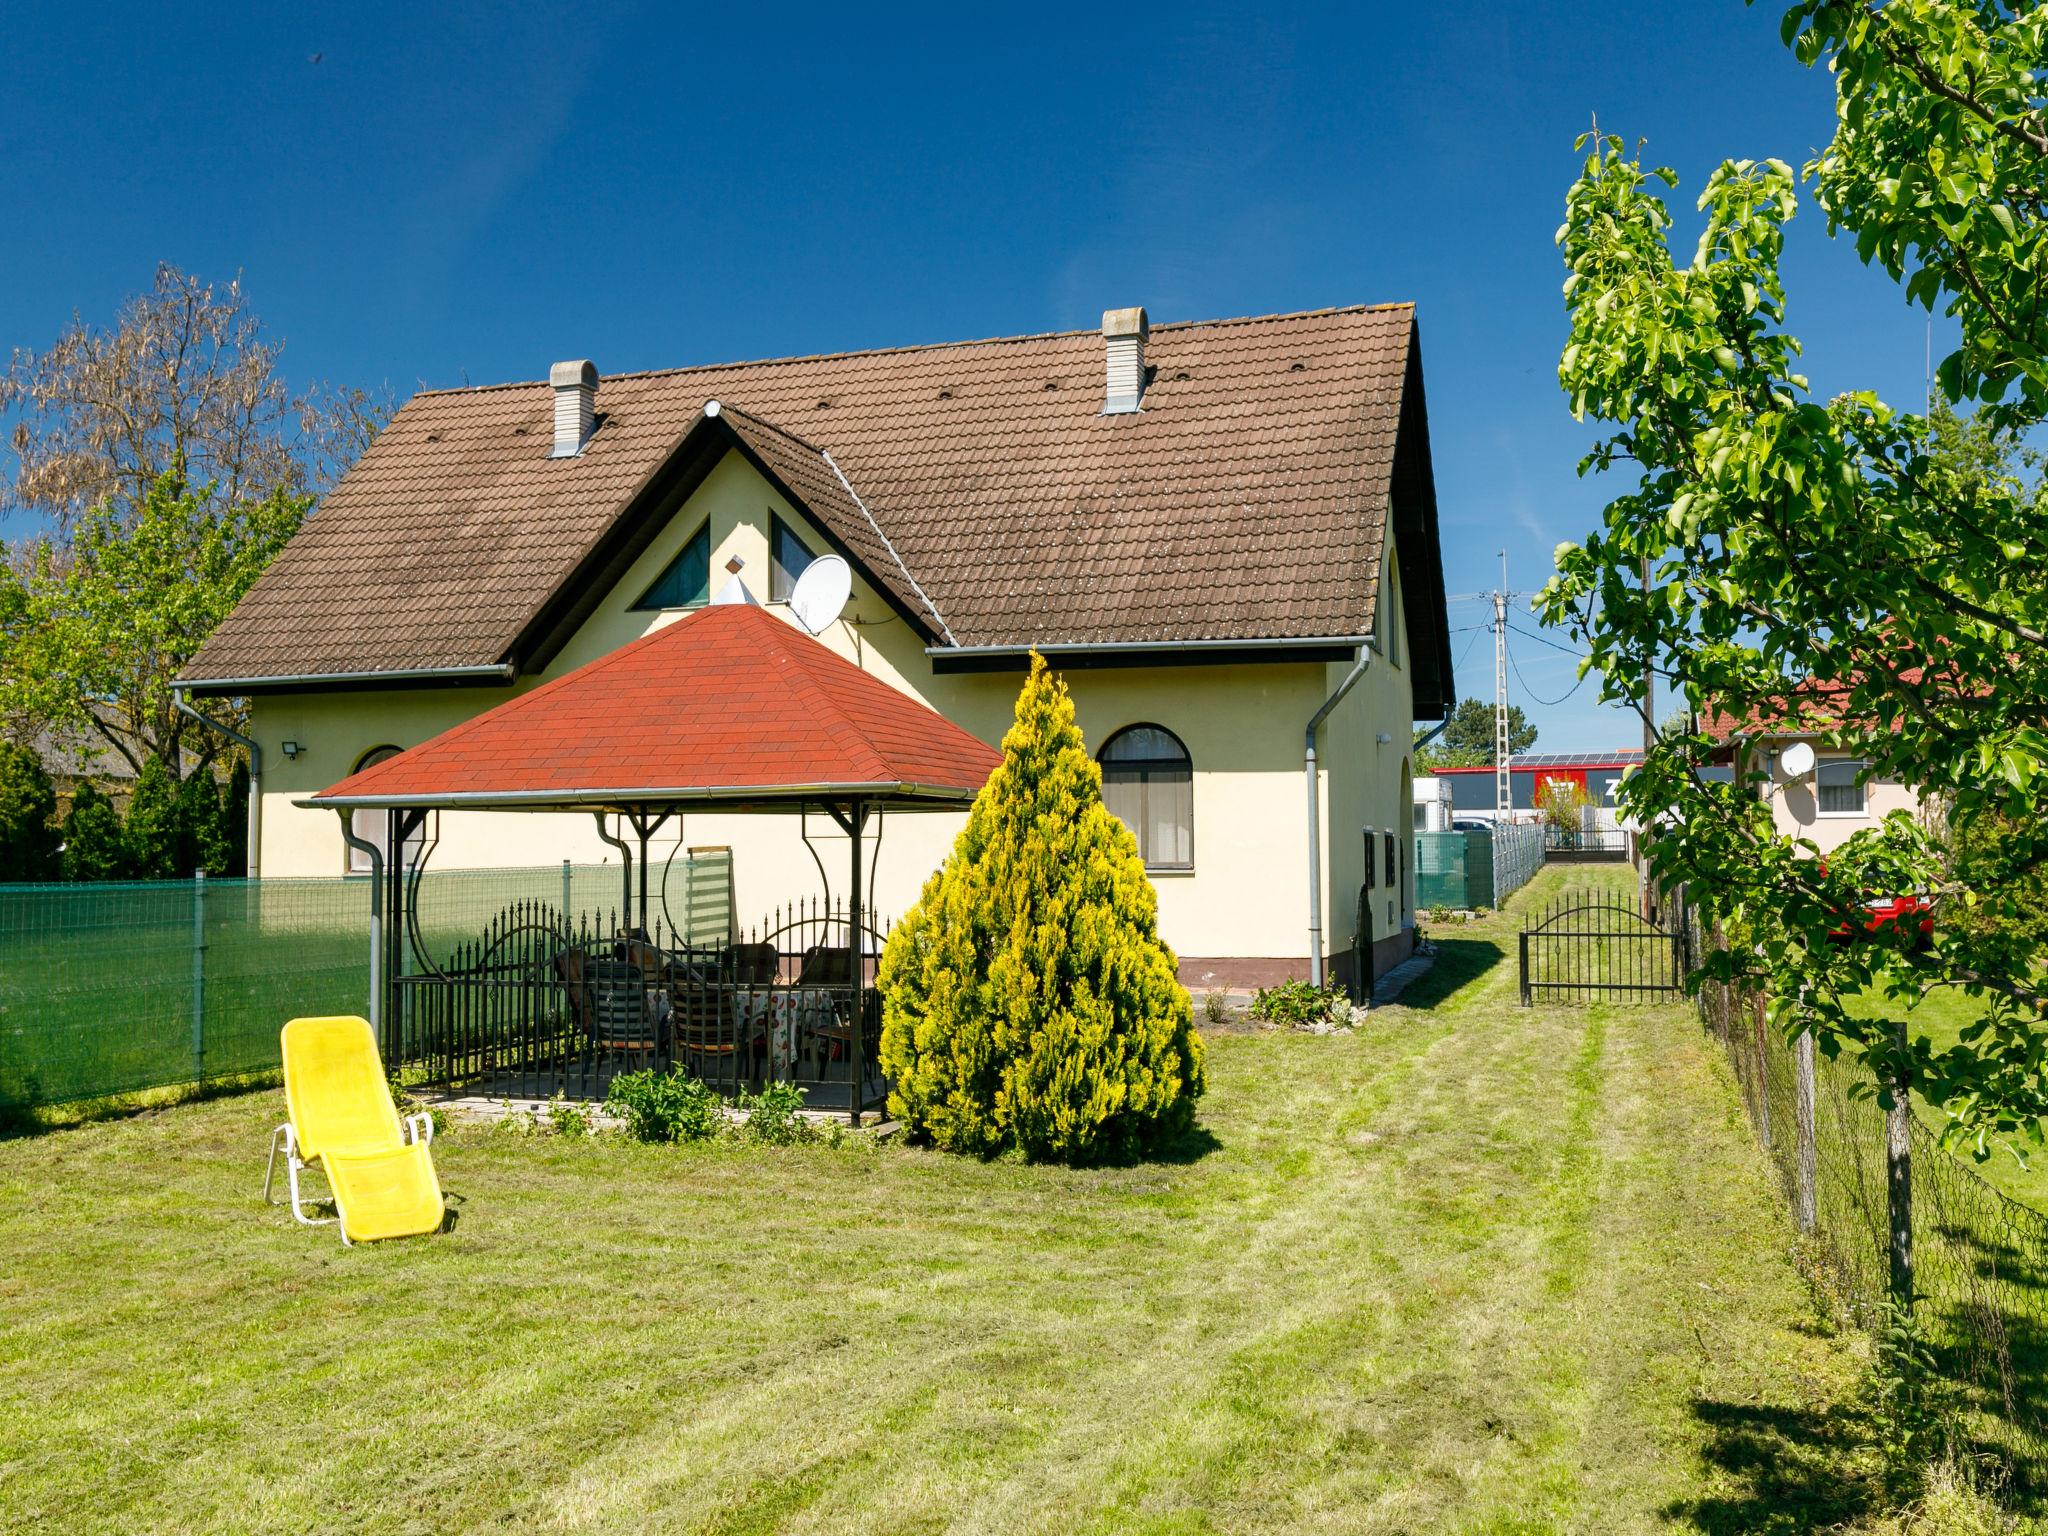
[186, 378]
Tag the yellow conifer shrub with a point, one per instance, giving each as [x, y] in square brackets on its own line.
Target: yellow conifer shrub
[1027, 1001]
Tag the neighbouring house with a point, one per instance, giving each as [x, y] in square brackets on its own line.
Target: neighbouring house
[73, 758]
[1224, 535]
[1824, 805]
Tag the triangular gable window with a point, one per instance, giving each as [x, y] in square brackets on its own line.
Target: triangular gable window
[791, 556]
[687, 581]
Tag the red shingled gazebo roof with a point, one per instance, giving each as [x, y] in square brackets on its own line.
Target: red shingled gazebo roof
[730, 708]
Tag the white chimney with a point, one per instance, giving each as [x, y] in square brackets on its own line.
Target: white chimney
[575, 405]
[1123, 335]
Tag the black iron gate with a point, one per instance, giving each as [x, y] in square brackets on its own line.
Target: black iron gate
[1584, 945]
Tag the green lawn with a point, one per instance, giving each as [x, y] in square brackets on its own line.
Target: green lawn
[1470, 1269]
[1938, 1018]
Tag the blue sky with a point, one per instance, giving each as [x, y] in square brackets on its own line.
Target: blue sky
[425, 194]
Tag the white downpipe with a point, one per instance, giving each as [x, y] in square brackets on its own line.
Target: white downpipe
[1315, 816]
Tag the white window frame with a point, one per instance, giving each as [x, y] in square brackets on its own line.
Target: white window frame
[1860, 784]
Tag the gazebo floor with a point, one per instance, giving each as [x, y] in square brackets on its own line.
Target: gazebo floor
[497, 1096]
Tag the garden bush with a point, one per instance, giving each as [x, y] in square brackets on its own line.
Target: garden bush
[94, 847]
[772, 1116]
[664, 1106]
[28, 811]
[1300, 1003]
[1027, 1001]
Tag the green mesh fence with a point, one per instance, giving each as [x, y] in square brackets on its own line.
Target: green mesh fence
[1980, 1259]
[113, 988]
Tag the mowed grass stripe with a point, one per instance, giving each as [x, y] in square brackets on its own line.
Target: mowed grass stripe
[1434, 1275]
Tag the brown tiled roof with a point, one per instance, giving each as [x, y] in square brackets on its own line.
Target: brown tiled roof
[1247, 500]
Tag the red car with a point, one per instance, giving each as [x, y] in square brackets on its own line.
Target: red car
[1888, 911]
[1885, 912]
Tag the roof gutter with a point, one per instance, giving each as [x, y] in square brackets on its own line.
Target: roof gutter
[1315, 814]
[645, 795]
[1105, 647]
[500, 672]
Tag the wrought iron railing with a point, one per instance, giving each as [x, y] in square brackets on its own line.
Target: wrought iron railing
[539, 1005]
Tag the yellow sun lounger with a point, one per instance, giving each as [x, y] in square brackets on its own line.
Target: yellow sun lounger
[343, 1119]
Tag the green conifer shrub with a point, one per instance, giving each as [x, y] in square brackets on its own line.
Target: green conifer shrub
[28, 815]
[153, 833]
[200, 843]
[234, 822]
[93, 846]
[1027, 1001]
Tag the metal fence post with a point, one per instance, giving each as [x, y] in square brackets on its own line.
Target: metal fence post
[565, 890]
[198, 974]
[1807, 1160]
[1526, 997]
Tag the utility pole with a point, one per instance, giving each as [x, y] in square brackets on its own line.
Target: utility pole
[1503, 790]
[1649, 896]
[1503, 779]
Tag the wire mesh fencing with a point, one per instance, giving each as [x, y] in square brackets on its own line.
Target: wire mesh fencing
[1517, 856]
[115, 988]
[1980, 1258]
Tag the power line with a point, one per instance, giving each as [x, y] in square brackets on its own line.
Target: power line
[1530, 634]
[1546, 703]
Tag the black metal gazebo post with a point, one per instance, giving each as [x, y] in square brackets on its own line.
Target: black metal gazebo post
[857, 818]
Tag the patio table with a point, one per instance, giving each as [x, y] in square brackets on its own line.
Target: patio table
[784, 1015]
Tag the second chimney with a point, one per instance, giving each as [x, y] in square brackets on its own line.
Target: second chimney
[1123, 335]
[575, 386]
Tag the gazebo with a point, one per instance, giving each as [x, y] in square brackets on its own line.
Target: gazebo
[729, 709]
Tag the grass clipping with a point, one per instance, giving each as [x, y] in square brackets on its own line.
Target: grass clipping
[1027, 1001]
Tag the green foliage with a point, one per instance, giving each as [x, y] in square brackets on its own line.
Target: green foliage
[1468, 738]
[1936, 169]
[234, 816]
[1028, 1002]
[93, 845]
[200, 843]
[1839, 567]
[665, 1106]
[1913, 1411]
[28, 811]
[566, 1118]
[1296, 1003]
[106, 625]
[773, 1116]
[1563, 803]
[154, 835]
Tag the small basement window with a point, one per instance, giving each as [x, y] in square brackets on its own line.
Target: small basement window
[789, 557]
[687, 581]
[1148, 783]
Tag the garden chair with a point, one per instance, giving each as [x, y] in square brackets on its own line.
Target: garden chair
[622, 1015]
[342, 1118]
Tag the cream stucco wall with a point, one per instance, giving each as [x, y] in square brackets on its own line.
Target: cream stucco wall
[1795, 807]
[1242, 724]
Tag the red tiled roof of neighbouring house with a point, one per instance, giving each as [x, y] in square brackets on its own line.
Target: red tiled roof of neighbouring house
[979, 485]
[728, 700]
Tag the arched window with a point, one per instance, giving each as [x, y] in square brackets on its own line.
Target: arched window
[373, 826]
[1148, 782]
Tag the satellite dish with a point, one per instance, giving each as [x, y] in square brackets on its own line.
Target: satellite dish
[1796, 760]
[820, 593]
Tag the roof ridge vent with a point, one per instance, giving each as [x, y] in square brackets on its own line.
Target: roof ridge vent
[1123, 336]
[575, 386]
